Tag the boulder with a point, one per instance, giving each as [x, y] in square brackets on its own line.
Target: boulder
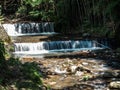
[114, 85]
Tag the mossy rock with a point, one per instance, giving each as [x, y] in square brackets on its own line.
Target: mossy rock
[3, 35]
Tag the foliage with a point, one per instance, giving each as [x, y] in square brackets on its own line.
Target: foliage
[21, 11]
[112, 4]
[2, 50]
[1, 19]
[87, 15]
[1, 16]
[33, 3]
[37, 10]
[25, 75]
[22, 75]
[85, 77]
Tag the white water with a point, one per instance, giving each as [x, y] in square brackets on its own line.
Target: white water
[23, 29]
[55, 47]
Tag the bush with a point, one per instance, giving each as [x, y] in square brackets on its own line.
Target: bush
[13, 72]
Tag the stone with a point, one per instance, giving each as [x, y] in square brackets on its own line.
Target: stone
[86, 35]
[115, 85]
[110, 74]
[73, 69]
[60, 72]
[78, 73]
[52, 83]
[28, 58]
[84, 63]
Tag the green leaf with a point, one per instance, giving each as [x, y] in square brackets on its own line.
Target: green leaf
[33, 3]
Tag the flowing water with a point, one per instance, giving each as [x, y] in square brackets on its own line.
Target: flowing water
[50, 47]
[56, 47]
[24, 29]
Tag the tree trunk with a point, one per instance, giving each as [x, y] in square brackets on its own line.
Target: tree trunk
[117, 35]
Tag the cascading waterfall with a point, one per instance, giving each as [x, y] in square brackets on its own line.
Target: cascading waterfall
[51, 47]
[56, 47]
[21, 29]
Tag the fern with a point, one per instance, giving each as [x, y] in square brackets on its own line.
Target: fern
[33, 3]
[1, 19]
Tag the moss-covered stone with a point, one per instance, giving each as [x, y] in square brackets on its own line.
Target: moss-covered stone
[3, 35]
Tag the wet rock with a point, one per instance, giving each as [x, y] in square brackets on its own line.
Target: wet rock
[73, 69]
[69, 62]
[110, 74]
[106, 74]
[82, 68]
[52, 83]
[84, 63]
[86, 35]
[115, 85]
[79, 73]
[27, 58]
[59, 72]
[13, 87]
[62, 78]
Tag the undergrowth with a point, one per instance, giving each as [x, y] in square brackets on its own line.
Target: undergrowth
[15, 75]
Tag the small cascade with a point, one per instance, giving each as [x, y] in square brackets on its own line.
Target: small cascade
[56, 47]
[49, 47]
[23, 29]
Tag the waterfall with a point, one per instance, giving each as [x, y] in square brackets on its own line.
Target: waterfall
[21, 29]
[56, 46]
[49, 47]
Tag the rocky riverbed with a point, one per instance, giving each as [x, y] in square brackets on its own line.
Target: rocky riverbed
[79, 73]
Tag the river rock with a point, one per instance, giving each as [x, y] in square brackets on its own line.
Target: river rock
[52, 83]
[73, 69]
[79, 73]
[115, 85]
[28, 58]
[110, 74]
[60, 72]
[84, 63]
